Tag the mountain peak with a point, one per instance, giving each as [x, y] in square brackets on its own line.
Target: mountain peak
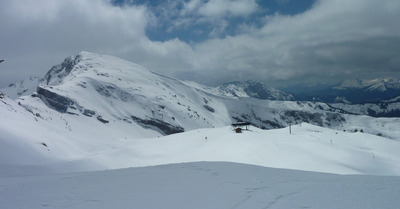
[57, 73]
[91, 65]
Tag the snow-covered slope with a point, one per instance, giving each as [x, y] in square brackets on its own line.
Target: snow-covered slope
[308, 147]
[383, 109]
[199, 185]
[22, 88]
[214, 184]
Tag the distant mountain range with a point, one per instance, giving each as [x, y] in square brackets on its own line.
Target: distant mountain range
[356, 91]
[376, 91]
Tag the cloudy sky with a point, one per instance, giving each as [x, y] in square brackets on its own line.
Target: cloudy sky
[209, 41]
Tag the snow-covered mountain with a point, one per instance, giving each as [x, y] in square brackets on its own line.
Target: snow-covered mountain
[380, 84]
[368, 91]
[253, 89]
[357, 91]
[114, 90]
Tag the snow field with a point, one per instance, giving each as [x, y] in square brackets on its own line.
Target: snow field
[200, 185]
[309, 148]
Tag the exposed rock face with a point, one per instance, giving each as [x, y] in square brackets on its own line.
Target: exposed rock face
[54, 100]
[101, 119]
[163, 127]
[89, 113]
[58, 72]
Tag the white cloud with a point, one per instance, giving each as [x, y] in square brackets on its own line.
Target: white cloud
[191, 7]
[221, 8]
[328, 41]
[37, 34]
[180, 14]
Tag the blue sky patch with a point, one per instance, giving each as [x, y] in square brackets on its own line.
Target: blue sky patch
[193, 27]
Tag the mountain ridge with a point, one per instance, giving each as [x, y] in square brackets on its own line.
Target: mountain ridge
[351, 91]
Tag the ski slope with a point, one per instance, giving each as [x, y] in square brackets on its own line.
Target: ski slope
[308, 148]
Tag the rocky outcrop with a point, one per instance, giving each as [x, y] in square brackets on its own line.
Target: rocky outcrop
[54, 100]
[155, 124]
[58, 72]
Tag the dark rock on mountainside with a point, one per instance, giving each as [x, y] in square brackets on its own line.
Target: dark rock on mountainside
[54, 100]
[101, 119]
[159, 125]
[58, 72]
